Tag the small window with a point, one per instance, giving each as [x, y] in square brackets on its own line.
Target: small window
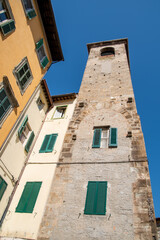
[5, 104]
[109, 51]
[104, 137]
[7, 23]
[28, 198]
[23, 74]
[96, 198]
[26, 135]
[60, 112]
[42, 56]
[48, 143]
[3, 186]
[29, 8]
[40, 104]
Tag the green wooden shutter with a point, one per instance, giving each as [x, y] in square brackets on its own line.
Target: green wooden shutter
[28, 198]
[113, 137]
[51, 142]
[96, 198]
[97, 138]
[3, 186]
[31, 14]
[44, 62]
[29, 142]
[39, 43]
[44, 144]
[101, 198]
[20, 130]
[7, 27]
[90, 198]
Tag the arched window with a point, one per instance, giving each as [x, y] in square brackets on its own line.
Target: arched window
[109, 51]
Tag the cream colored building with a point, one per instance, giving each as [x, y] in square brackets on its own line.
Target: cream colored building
[40, 169]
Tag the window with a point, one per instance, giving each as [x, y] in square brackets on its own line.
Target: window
[3, 186]
[48, 143]
[7, 23]
[26, 135]
[23, 74]
[42, 53]
[40, 104]
[5, 104]
[107, 51]
[29, 8]
[104, 137]
[60, 112]
[96, 198]
[28, 198]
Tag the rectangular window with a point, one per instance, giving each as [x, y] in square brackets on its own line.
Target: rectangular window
[42, 56]
[96, 198]
[40, 104]
[104, 137]
[3, 186]
[48, 143]
[5, 104]
[60, 112]
[29, 8]
[28, 198]
[7, 23]
[23, 74]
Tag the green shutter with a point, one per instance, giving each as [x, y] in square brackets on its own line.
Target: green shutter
[39, 43]
[51, 142]
[22, 126]
[101, 198]
[3, 186]
[90, 198]
[31, 14]
[29, 142]
[113, 137]
[96, 198]
[7, 27]
[28, 198]
[48, 143]
[97, 138]
[44, 62]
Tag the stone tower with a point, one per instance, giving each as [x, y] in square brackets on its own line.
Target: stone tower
[101, 189]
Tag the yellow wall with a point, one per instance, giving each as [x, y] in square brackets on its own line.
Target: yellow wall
[13, 48]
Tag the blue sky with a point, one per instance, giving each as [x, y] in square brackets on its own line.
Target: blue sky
[80, 22]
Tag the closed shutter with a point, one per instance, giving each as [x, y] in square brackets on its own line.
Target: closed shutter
[113, 137]
[96, 198]
[28, 198]
[51, 143]
[97, 138]
[3, 186]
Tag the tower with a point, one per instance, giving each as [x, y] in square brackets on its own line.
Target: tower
[101, 188]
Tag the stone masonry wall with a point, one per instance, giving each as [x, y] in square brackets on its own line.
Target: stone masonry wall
[103, 101]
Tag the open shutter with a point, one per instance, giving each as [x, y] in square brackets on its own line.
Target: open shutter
[97, 138]
[31, 14]
[7, 27]
[29, 142]
[90, 198]
[39, 43]
[3, 186]
[44, 62]
[28, 197]
[22, 126]
[51, 142]
[101, 198]
[44, 144]
[113, 137]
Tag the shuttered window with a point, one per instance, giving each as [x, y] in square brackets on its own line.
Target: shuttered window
[4, 103]
[29, 142]
[42, 56]
[3, 186]
[113, 137]
[29, 8]
[7, 23]
[104, 137]
[28, 198]
[48, 143]
[96, 198]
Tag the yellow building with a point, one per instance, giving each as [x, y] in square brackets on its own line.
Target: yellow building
[29, 44]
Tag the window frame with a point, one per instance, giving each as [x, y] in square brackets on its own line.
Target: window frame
[47, 149]
[16, 71]
[61, 106]
[30, 14]
[7, 25]
[9, 109]
[2, 184]
[95, 191]
[44, 61]
[40, 103]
